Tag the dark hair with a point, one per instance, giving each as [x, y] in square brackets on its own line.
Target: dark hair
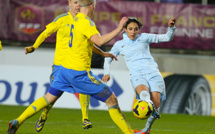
[132, 19]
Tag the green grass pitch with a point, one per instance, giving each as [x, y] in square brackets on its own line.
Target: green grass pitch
[68, 121]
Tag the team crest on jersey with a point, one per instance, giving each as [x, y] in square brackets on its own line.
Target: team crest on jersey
[29, 19]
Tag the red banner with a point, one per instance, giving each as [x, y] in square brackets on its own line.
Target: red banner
[195, 23]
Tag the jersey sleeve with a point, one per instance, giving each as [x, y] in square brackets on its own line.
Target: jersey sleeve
[115, 51]
[156, 38]
[166, 37]
[50, 28]
[89, 29]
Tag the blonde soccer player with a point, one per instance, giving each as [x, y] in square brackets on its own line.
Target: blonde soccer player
[75, 70]
[61, 25]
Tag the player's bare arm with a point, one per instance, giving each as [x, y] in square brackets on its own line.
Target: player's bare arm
[110, 55]
[102, 53]
[101, 40]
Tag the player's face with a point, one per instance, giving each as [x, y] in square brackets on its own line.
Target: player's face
[74, 6]
[132, 30]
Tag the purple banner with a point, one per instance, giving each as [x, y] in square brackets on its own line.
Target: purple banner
[195, 23]
[4, 12]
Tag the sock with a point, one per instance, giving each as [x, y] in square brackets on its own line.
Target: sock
[151, 120]
[119, 119]
[35, 107]
[84, 101]
[144, 95]
[46, 111]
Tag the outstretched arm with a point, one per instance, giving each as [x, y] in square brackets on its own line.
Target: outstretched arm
[170, 33]
[101, 40]
[50, 28]
[37, 43]
[102, 53]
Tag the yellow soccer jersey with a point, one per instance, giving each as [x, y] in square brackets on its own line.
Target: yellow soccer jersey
[61, 24]
[80, 51]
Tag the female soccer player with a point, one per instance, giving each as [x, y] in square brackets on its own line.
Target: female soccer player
[145, 76]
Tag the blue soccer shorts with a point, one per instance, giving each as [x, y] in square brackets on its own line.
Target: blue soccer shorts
[84, 82]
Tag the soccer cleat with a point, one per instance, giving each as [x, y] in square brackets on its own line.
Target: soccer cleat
[143, 131]
[87, 124]
[41, 122]
[13, 126]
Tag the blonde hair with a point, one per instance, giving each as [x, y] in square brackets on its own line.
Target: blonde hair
[84, 3]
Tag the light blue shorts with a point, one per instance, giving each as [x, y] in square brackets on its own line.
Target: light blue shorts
[84, 82]
[154, 81]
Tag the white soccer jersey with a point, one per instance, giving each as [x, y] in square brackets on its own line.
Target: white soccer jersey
[137, 52]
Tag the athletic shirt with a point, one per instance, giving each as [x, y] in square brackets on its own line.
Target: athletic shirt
[136, 52]
[61, 24]
[80, 47]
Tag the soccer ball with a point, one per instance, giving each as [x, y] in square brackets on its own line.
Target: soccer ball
[142, 109]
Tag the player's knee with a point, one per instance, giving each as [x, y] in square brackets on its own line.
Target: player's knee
[112, 100]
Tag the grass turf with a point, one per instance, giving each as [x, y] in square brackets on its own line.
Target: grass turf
[68, 121]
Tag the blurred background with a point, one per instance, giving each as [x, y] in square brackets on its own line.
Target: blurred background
[187, 63]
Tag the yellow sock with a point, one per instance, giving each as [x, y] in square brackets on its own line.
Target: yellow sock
[84, 101]
[48, 108]
[119, 119]
[35, 107]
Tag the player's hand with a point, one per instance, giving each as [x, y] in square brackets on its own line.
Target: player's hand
[122, 22]
[0, 46]
[171, 22]
[110, 55]
[29, 49]
[106, 78]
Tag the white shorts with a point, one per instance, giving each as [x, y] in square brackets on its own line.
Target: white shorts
[154, 81]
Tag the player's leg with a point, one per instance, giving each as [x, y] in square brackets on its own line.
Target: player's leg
[141, 87]
[155, 97]
[84, 101]
[88, 83]
[55, 94]
[35, 107]
[143, 93]
[43, 117]
[117, 116]
[157, 88]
